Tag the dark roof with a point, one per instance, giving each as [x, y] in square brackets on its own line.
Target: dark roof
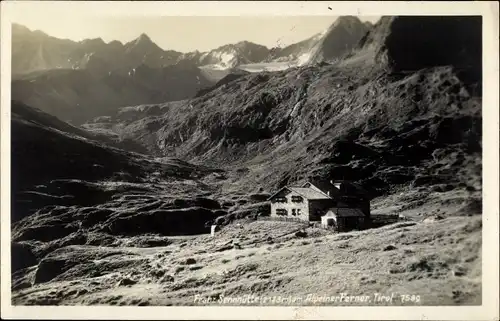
[328, 190]
[349, 189]
[306, 192]
[310, 193]
[346, 211]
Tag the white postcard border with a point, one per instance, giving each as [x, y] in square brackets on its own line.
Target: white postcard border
[488, 9]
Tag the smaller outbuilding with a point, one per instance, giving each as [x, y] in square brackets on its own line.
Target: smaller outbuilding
[343, 219]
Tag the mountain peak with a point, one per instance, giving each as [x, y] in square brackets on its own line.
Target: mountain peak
[23, 30]
[246, 43]
[93, 42]
[115, 43]
[19, 28]
[343, 35]
[143, 38]
[348, 22]
[142, 44]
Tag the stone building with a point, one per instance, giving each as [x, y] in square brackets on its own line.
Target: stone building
[338, 204]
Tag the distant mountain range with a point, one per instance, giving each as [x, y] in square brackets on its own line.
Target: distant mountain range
[35, 50]
[77, 81]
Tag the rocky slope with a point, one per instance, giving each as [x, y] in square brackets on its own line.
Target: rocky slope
[227, 79]
[66, 184]
[342, 120]
[299, 51]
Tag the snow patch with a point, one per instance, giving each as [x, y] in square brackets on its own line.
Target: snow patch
[203, 56]
[270, 66]
[304, 59]
[215, 67]
[227, 58]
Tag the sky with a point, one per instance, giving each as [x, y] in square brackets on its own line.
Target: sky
[184, 33]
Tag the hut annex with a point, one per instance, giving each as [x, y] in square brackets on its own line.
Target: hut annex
[337, 204]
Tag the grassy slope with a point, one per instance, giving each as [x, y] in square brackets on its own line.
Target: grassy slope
[437, 260]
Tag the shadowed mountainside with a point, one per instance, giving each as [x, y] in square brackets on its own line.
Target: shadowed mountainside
[341, 38]
[78, 95]
[408, 44]
[66, 185]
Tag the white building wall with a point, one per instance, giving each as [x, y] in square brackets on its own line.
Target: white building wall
[301, 208]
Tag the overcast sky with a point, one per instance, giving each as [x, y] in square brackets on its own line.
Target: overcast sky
[184, 33]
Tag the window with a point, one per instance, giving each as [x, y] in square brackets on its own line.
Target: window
[281, 212]
[280, 199]
[297, 199]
